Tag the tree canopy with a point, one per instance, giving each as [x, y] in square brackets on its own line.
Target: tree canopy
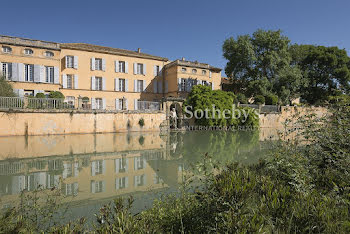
[5, 88]
[265, 63]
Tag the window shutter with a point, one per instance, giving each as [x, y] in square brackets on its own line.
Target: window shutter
[93, 186]
[76, 81]
[14, 71]
[93, 103]
[76, 62]
[92, 64]
[155, 70]
[179, 83]
[135, 104]
[93, 84]
[64, 81]
[126, 107]
[116, 84]
[160, 70]
[155, 86]
[116, 163]
[93, 168]
[160, 87]
[212, 86]
[103, 83]
[135, 86]
[36, 73]
[116, 180]
[126, 67]
[126, 85]
[66, 64]
[144, 86]
[116, 65]
[20, 72]
[104, 103]
[56, 73]
[144, 69]
[135, 68]
[42, 74]
[117, 105]
[103, 166]
[166, 87]
[103, 64]
[210, 74]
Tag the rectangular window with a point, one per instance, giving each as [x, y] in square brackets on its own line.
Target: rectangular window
[122, 66]
[139, 86]
[122, 85]
[122, 162]
[139, 68]
[183, 84]
[49, 71]
[7, 70]
[98, 64]
[121, 182]
[69, 81]
[70, 61]
[139, 180]
[121, 104]
[29, 72]
[98, 186]
[139, 163]
[98, 83]
[157, 70]
[99, 104]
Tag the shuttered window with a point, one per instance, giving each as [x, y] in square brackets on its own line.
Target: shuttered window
[70, 61]
[69, 81]
[122, 66]
[7, 70]
[29, 72]
[139, 85]
[122, 85]
[139, 68]
[98, 83]
[98, 64]
[99, 106]
[49, 71]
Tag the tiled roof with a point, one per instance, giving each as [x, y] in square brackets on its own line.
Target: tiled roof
[195, 64]
[109, 50]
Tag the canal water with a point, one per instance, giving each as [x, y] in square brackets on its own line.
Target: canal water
[93, 169]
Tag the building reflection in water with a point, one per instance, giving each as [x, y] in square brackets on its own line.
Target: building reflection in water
[102, 166]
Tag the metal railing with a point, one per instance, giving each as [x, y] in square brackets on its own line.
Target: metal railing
[48, 103]
[147, 105]
[12, 102]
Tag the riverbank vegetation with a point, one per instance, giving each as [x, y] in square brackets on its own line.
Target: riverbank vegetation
[303, 187]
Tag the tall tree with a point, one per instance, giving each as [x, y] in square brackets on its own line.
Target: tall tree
[262, 62]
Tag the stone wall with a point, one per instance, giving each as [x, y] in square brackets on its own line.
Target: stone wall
[28, 122]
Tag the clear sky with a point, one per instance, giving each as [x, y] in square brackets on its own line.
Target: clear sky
[194, 29]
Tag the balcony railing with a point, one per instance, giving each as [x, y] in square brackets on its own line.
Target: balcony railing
[146, 105]
[12, 102]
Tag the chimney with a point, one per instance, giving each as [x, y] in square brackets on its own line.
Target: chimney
[183, 59]
[138, 50]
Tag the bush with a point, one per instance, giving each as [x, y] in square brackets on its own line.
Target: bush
[142, 122]
[241, 98]
[271, 99]
[259, 99]
[40, 95]
[56, 94]
[5, 88]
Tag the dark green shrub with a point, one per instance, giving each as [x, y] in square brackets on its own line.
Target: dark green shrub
[40, 95]
[142, 122]
[241, 98]
[259, 99]
[85, 99]
[56, 94]
[271, 99]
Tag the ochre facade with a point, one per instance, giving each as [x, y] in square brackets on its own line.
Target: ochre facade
[109, 78]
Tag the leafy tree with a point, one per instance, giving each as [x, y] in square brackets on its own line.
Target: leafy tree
[327, 71]
[6, 89]
[241, 98]
[262, 63]
[271, 99]
[259, 99]
[56, 94]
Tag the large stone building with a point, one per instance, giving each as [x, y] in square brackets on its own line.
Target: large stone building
[110, 78]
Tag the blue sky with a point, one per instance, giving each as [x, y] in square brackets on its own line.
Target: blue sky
[174, 29]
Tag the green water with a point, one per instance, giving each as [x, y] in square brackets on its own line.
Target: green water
[92, 170]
